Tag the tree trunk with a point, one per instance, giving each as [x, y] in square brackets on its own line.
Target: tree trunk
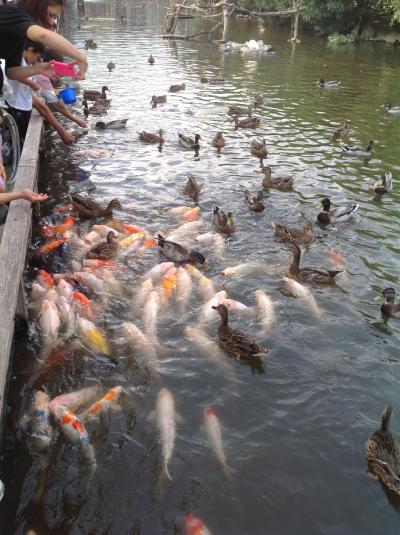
[226, 18]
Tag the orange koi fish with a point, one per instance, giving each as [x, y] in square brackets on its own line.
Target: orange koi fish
[49, 247]
[109, 399]
[124, 228]
[45, 278]
[65, 208]
[84, 305]
[59, 229]
[194, 526]
[151, 242]
[168, 283]
[98, 263]
[192, 215]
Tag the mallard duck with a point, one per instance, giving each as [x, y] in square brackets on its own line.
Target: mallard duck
[190, 143]
[235, 342]
[254, 204]
[293, 234]
[93, 110]
[192, 189]
[251, 122]
[393, 110]
[240, 110]
[259, 149]
[179, 254]
[331, 84]
[111, 125]
[212, 81]
[110, 66]
[359, 151]
[340, 133]
[258, 100]
[223, 222]
[176, 87]
[105, 249]
[93, 94]
[389, 308]
[337, 215]
[283, 183]
[309, 274]
[90, 43]
[151, 60]
[89, 209]
[148, 137]
[384, 184]
[219, 141]
[383, 454]
[161, 99]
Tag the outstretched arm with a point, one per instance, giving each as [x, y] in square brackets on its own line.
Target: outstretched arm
[26, 194]
[51, 119]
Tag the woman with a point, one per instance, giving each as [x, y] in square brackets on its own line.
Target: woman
[34, 20]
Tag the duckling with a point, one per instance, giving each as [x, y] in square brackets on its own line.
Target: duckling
[309, 274]
[110, 66]
[89, 209]
[179, 254]
[384, 184]
[293, 234]
[340, 133]
[337, 215]
[148, 137]
[332, 84]
[359, 151]
[105, 249]
[190, 143]
[393, 110]
[218, 142]
[284, 183]
[259, 149]
[258, 100]
[389, 308]
[111, 125]
[151, 60]
[251, 122]
[176, 87]
[162, 99]
[192, 189]
[235, 342]
[223, 222]
[240, 110]
[93, 94]
[383, 454]
[254, 204]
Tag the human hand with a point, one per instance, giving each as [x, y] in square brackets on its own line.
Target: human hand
[67, 137]
[31, 196]
[47, 68]
[82, 66]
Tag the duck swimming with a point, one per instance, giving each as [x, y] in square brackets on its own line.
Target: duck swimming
[105, 250]
[251, 122]
[258, 100]
[89, 209]
[189, 143]
[284, 183]
[393, 110]
[340, 133]
[111, 125]
[254, 204]
[331, 84]
[259, 149]
[148, 137]
[179, 254]
[309, 274]
[219, 141]
[293, 234]
[240, 110]
[176, 87]
[223, 222]
[93, 94]
[337, 215]
[151, 60]
[389, 307]
[359, 151]
[110, 66]
[161, 99]
[192, 189]
[384, 184]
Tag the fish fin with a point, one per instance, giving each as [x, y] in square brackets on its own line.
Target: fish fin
[178, 418]
[229, 471]
[167, 474]
[152, 416]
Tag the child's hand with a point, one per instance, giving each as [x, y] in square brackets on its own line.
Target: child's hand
[31, 196]
[47, 69]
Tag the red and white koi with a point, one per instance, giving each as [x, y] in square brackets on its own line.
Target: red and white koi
[73, 401]
[213, 429]
[45, 279]
[83, 306]
[194, 526]
[49, 247]
[107, 402]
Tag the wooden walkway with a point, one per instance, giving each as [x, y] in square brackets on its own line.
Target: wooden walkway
[13, 247]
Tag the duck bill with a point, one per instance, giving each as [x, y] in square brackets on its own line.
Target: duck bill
[204, 267]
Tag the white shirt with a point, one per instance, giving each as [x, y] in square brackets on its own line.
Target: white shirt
[21, 94]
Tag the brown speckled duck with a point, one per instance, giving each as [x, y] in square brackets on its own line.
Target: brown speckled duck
[192, 189]
[251, 122]
[176, 87]
[160, 99]
[89, 209]
[285, 233]
[148, 137]
[223, 222]
[219, 141]
[389, 307]
[259, 149]
[283, 183]
[254, 204]
[309, 274]
[105, 250]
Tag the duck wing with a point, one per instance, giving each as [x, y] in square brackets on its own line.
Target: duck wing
[186, 141]
[84, 203]
[343, 213]
[172, 251]
[244, 345]
[219, 217]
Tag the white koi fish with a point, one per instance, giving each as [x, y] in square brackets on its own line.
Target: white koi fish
[183, 289]
[73, 401]
[108, 401]
[140, 342]
[207, 288]
[179, 210]
[67, 316]
[150, 315]
[235, 305]
[266, 313]
[295, 289]
[213, 429]
[207, 311]
[65, 289]
[49, 321]
[90, 280]
[242, 269]
[142, 293]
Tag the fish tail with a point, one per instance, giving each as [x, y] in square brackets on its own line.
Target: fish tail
[387, 413]
[166, 471]
[229, 471]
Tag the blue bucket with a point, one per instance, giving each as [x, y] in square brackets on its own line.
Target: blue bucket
[68, 95]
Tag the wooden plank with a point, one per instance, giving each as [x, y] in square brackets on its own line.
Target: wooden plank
[13, 248]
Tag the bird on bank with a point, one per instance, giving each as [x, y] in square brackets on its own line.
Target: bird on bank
[223, 222]
[179, 254]
[309, 274]
[384, 184]
[93, 94]
[393, 110]
[111, 66]
[254, 204]
[389, 307]
[337, 215]
[359, 151]
[240, 110]
[161, 99]
[218, 141]
[331, 84]
[285, 233]
[259, 149]
[340, 133]
[284, 183]
[148, 137]
[111, 125]
[251, 122]
[192, 189]
[151, 60]
[176, 87]
[190, 143]
[88, 208]
[105, 250]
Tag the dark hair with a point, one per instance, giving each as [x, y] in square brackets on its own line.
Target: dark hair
[38, 9]
[36, 47]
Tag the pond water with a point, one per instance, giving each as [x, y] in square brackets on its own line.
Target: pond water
[294, 434]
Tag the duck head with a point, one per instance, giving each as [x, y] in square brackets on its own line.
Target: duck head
[389, 295]
[197, 258]
[307, 226]
[111, 237]
[101, 125]
[326, 204]
[229, 218]
[222, 311]
[104, 89]
[114, 204]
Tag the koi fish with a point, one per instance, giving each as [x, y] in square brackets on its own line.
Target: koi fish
[126, 242]
[102, 230]
[65, 208]
[207, 312]
[183, 288]
[156, 272]
[73, 401]
[59, 229]
[194, 526]
[49, 320]
[98, 263]
[266, 313]
[140, 342]
[179, 210]
[41, 430]
[168, 284]
[92, 337]
[150, 242]
[83, 305]
[214, 240]
[194, 272]
[124, 228]
[89, 279]
[150, 313]
[64, 288]
[50, 247]
[295, 289]
[242, 269]
[207, 288]
[213, 429]
[109, 400]
[192, 215]
[67, 316]
[45, 279]
[234, 305]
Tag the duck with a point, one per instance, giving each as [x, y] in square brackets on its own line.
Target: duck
[218, 141]
[254, 204]
[93, 110]
[148, 137]
[240, 110]
[340, 133]
[192, 189]
[111, 125]
[235, 342]
[89, 209]
[293, 234]
[212, 81]
[283, 183]
[105, 249]
[151, 60]
[389, 307]
[337, 215]
[251, 122]
[258, 100]
[393, 110]
[384, 184]
[179, 254]
[259, 149]
[223, 222]
[383, 454]
[161, 99]
[110, 66]
[176, 87]
[189, 143]
[90, 43]
[331, 84]
[309, 274]
[359, 151]
[93, 94]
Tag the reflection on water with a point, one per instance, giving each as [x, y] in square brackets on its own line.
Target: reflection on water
[295, 433]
